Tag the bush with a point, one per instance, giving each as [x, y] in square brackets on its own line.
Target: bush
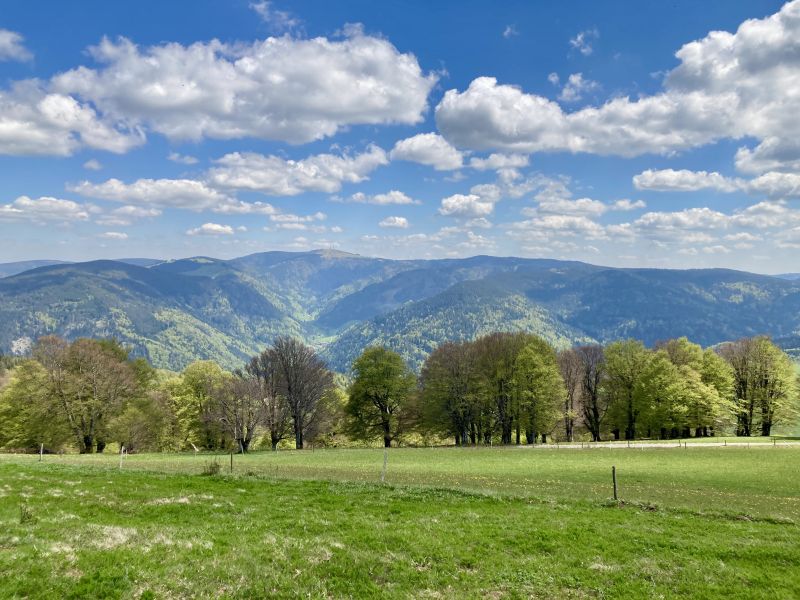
[212, 468]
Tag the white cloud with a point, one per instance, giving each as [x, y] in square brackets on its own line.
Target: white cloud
[35, 122]
[390, 197]
[566, 206]
[690, 218]
[583, 41]
[576, 87]
[93, 165]
[776, 185]
[166, 193]
[626, 205]
[114, 235]
[294, 222]
[727, 85]
[394, 222]
[293, 90]
[570, 225]
[510, 31]
[45, 209]
[666, 180]
[465, 205]
[497, 161]
[278, 20]
[717, 249]
[126, 215]
[211, 229]
[12, 47]
[773, 154]
[773, 184]
[183, 159]
[428, 149]
[278, 176]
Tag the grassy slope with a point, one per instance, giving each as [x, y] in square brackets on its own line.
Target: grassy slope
[760, 482]
[100, 533]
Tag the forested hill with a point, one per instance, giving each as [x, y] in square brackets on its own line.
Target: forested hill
[174, 312]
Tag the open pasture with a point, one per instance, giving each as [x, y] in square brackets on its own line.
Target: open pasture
[499, 523]
[758, 482]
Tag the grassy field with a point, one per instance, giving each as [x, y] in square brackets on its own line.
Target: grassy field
[499, 522]
[758, 482]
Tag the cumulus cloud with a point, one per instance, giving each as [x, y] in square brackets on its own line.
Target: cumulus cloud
[278, 176]
[776, 185]
[569, 225]
[43, 209]
[773, 184]
[166, 193]
[669, 180]
[35, 122]
[497, 161]
[298, 222]
[211, 229]
[293, 90]
[127, 215]
[727, 85]
[428, 149]
[183, 159]
[12, 46]
[114, 235]
[582, 42]
[567, 206]
[465, 205]
[394, 222]
[390, 197]
[576, 87]
[278, 20]
[92, 165]
[625, 204]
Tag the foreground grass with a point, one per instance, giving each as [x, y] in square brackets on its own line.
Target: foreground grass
[87, 532]
[760, 482]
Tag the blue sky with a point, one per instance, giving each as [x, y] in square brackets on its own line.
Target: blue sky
[620, 133]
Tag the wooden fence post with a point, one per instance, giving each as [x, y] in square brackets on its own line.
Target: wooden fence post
[385, 464]
[614, 480]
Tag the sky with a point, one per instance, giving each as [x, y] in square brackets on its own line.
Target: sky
[635, 134]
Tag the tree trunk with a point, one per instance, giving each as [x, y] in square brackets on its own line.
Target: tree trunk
[88, 445]
[698, 432]
[101, 445]
[616, 433]
[298, 439]
[766, 427]
[544, 438]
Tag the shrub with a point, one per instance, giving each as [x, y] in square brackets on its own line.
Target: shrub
[212, 468]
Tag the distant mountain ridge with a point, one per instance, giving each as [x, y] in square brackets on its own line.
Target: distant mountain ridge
[177, 311]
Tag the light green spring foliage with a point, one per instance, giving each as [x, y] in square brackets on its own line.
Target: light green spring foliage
[538, 387]
[484, 391]
[379, 403]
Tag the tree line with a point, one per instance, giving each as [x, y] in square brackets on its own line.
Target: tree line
[502, 388]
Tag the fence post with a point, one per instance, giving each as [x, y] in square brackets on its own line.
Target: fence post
[121, 454]
[385, 464]
[614, 480]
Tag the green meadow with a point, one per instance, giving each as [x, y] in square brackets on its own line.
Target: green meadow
[447, 522]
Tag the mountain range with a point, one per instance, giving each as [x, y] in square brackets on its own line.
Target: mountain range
[176, 311]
